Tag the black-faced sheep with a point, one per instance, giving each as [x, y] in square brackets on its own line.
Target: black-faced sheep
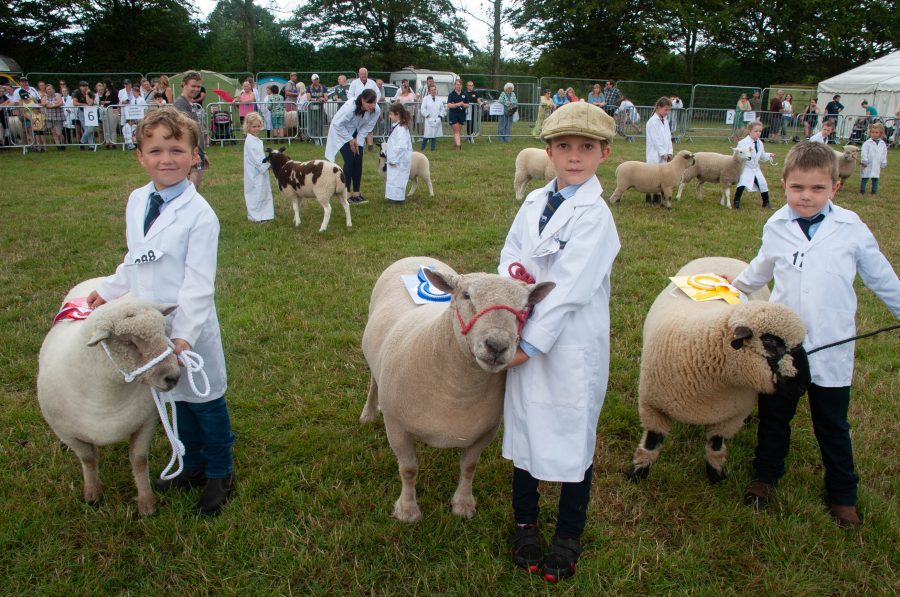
[716, 167]
[438, 370]
[420, 169]
[704, 363]
[316, 178]
[652, 178]
[532, 164]
[83, 394]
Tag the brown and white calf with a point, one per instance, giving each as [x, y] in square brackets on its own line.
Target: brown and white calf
[316, 178]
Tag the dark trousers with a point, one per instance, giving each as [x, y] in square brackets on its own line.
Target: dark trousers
[864, 181]
[738, 192]
[352, 166]
[205, 430]
[425, 141]
[828, 408]
[573, 502]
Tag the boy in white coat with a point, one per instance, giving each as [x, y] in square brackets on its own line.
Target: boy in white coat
[873, 158]
[564, 233]
[752, 176]
[814, 250]
[257, 190]
[398, 154]
[172, 235]
[659, 138]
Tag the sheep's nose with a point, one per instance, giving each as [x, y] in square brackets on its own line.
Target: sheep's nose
[171, 380]
[495, 347]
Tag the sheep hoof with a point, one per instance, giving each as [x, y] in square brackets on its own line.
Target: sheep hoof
[407, 512]
[368, 416]
[714, 475]
[636, 474]
[146, 506]
[464, 506]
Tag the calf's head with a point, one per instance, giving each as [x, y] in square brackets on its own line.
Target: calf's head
[489, 313]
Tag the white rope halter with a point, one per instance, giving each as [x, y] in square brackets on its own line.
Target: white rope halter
[193, 363]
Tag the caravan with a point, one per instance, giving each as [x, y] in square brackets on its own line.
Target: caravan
[417, 77]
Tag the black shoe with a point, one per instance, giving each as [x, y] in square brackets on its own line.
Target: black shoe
[561, 558]
[527, 547]
[767, 206]
[357, 200]
[185, 480]
[215, 494]
[737, 204]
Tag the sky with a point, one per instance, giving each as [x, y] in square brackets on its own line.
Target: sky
[478, 31]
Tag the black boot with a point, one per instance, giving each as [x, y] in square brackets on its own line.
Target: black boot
[186, 479]
[215, 494]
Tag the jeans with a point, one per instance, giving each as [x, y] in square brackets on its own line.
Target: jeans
[87, 137]
[353, 166]
[205, 430]
[503, 128]
[864, 181]
[573, 502]
[425, 140]
[828, 408]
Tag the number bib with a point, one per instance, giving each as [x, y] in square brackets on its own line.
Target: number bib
[145, 256]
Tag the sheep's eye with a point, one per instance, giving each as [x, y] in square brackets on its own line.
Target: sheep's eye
[773, 343]
[466, 295]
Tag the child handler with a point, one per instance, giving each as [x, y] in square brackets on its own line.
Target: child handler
[563, 233]
[814, 250]
[873, 158]
[752, 176]
[257, 190]
[398, 154]
[173, 235]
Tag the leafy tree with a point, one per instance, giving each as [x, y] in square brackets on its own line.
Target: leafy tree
[30, 32]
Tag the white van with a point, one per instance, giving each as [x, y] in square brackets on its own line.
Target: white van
[417, 77]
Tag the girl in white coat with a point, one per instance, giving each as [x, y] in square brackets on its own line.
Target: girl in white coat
[432, 111]
[873, 158]
[398, 154]
[814, 249]
[752, 176]
[347, 134]
[659, 139]
[257, 190]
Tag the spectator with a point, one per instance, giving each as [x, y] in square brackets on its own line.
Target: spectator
[756, 105]
[787, 115]
[897, 128]
[146, 91]
[165, 88]
[109, 114]
[595, 97]
[545, 108]
[659, 139]
[6, 102]
[338, 93]
[432, 110]
[53, 109]
[347, 134]
[571, 96]
[471, 97]
[190, 85]
[871, 112]
[833, 110]
[405, 95]
[676, 114]
[810, 118]
[84, 98]
[201, 96]
[291, 93]
[627, 118]
[125, 95]
[510, 107]
[560, 98]
[611, 97]
[773, 119]
[317, 95]
[70, 113]
[276, 109]
[457, 108]
[429, 82]
[27, 97]
[246, 100]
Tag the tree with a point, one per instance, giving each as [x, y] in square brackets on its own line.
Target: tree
[30, 32]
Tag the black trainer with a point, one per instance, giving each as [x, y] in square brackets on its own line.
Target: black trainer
[216, 493]
[561, 558]
[527, 547]
[185, 480]
[357, 200]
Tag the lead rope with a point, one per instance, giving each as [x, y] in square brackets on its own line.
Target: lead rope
[844, 341]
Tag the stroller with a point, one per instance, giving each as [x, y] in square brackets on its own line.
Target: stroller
[221, 125]
[859, 133]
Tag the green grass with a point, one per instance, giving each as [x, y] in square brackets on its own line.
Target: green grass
[316, 488]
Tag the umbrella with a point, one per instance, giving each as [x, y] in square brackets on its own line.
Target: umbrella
[224, 95]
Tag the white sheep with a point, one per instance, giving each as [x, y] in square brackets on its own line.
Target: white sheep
[83, 395]
[438, 370]
[532, 164]
[316, 178]
[716, 167]
[846, 162]
[652, 178]
[704, 363]
[420, 169]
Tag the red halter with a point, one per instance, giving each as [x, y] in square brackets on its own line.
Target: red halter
[517, 271]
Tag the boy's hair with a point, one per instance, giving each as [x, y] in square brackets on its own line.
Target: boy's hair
[250, 119]
[756, 124]
[190, 75]
[877, 126]
[178, 124]
[828, 122]
[400, 110]
[663, 102]
[273, 88]
[810, 156]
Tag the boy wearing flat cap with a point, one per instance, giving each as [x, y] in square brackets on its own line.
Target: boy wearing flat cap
[564, 233]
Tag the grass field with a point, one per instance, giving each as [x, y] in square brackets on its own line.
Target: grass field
[316, 488]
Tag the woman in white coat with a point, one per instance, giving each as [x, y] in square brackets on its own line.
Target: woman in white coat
[659, 139]
[347, 134]
[398, 154]
[752, 177]
[257, 190]
[432, 112]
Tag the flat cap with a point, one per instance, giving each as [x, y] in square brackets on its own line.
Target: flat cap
[582, 119]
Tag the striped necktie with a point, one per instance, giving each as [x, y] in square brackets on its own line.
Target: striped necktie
[156, 201]
[805, 224]
[554, 200]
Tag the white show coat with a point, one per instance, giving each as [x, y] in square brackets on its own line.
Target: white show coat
[356, 87]
[659, 140]
[873, 158]
[553, 400]
[257, 190]
[398, 152]
[432, 110]
[815, 279]
[752, 176]
[176, 263]
[343, 124]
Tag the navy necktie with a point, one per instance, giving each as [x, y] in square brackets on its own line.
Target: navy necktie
[156, 201]
[756, 146]
[805, 223]
[553, 202]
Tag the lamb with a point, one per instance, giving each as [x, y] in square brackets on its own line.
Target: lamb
[532, 164]
[716, 167]
[705, 362]
[325, 179]
[652, 178]
[420, 168]
[846, 162]
[438, 370]
[83, 395]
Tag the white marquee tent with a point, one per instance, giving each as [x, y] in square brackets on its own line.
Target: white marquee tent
[877, 81]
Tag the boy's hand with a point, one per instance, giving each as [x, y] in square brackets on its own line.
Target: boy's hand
[180, 345]
[94, 300]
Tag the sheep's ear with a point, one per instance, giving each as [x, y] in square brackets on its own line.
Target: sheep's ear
[741, 333]
[268, 150]
[282, 150]
[443, 282]
[100, 333]
[539, 292]
[167, 308]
